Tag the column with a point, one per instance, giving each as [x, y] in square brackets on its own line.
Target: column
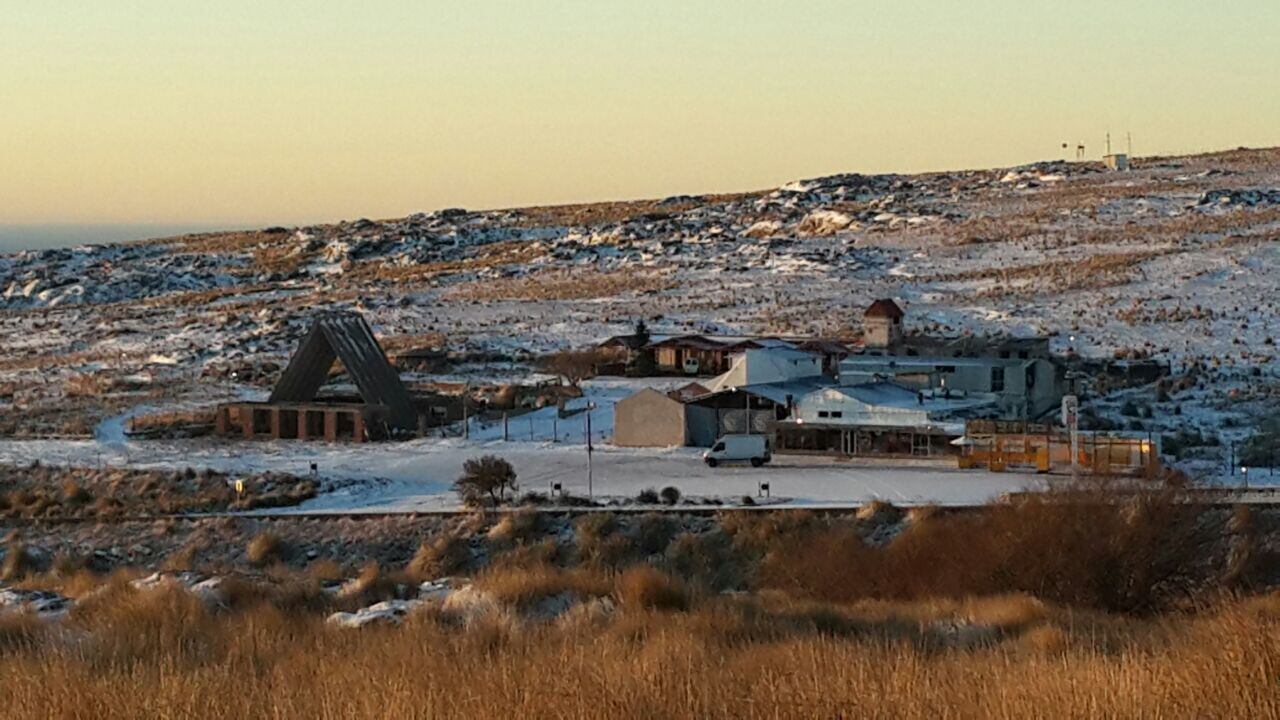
[357, 422]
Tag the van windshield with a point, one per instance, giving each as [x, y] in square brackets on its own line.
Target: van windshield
[719, 446]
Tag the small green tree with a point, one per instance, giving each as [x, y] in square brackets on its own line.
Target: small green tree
[642, 363]
[488, 477]
[642, 333]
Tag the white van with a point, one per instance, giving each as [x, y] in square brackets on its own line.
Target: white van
[731, 448]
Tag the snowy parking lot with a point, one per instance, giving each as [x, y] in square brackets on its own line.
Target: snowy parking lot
[416, 475]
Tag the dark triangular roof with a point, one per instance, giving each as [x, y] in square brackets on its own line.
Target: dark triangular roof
[884, 308]
[346, 337]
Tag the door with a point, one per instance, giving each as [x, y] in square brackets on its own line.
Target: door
[847, 442]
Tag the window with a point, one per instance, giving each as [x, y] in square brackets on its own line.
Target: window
[1022, 354]
[921, 445]
[719, 447]
[823, 413]
[997, 379]
[1004, 354]
[837, 413]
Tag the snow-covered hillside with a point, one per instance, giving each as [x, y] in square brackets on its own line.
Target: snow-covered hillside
[1174, 259]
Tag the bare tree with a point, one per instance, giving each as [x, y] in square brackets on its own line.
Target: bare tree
[485, 477]
[574, 366]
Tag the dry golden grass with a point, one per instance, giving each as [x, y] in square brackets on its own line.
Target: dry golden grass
[613, 212]
[1093, 272]
[564, 285]
[648, 588]
[264, 548]
[439, 557]
[487, 256]
[159, 653]
[523, 587]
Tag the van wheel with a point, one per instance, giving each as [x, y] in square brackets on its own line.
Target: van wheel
[711, 462]
[756, 462]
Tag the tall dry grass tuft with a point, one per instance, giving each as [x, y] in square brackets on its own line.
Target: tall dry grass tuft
[601, 541]
[647, 588]
[21, 631]
[440, 557]
[525, 587]
[523, 525]
[265, 548]
[17, 561]
[160, 625]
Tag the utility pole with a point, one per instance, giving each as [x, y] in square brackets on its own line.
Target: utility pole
[466, 421]
[590, 488]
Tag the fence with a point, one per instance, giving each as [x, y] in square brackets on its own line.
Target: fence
[555, 427]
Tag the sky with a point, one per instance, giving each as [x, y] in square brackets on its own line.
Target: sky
[249, 113]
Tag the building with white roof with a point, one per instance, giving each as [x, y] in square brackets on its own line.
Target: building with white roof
[878, 418]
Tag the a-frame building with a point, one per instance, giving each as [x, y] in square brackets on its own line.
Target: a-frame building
[293, 410]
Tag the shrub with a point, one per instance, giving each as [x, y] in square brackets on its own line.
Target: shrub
[647, 588]
[488, 478]
[1079, 547]
[574, 366]
[648, 496]
[440, 557]
[598, 539]
[670, 495]
[264, 548]
[325, 570]
[370, 586]
[706, 559]
[17, 562]
[878, 511]
[653, 532]
[74, 494]
[520, 526]
[534, 498]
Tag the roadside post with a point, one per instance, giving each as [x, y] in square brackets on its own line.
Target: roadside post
[1071, 419]
[590, 489]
